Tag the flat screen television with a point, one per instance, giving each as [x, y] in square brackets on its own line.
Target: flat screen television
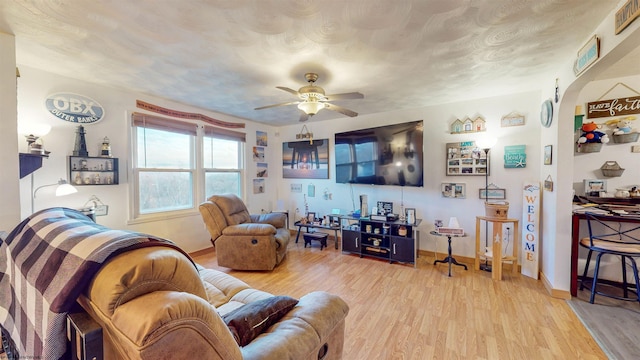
[384, 155]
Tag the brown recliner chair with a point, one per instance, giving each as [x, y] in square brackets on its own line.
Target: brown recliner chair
[244, 241]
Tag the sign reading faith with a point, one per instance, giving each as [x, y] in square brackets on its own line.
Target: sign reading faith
[530, 229]
[613, 107]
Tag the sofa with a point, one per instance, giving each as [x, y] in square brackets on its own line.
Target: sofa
[148, 299]
[244, 241]
[153, 303]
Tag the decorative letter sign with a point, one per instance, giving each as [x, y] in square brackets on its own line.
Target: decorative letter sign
[74, 108]
[530, 229]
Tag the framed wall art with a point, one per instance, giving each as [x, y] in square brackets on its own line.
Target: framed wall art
[465, 158]
[454, 190]
[305, 159]
[548, 149]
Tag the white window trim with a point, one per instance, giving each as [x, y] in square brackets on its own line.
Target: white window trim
[198, 174]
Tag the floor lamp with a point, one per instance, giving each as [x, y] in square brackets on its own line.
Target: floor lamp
[63, 188]
[486, 144]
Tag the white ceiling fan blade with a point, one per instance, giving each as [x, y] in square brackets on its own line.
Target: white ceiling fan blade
[341, 110]
[294, 92]
[281, 104]
[345, 96]
[304, 117]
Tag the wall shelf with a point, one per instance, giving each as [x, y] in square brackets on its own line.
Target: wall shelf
[30, 163]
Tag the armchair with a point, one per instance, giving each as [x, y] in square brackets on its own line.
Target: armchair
[244, 241]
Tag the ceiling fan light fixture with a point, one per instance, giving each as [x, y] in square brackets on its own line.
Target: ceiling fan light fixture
[311, 107]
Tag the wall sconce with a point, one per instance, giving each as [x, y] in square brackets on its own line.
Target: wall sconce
[305, 134]
[63, 188]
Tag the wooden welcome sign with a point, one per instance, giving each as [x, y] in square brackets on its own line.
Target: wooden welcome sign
[613, 107]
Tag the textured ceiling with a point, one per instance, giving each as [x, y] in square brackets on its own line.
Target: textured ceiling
[229, 55]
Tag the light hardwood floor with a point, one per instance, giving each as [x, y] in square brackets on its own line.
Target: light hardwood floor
[398, 312]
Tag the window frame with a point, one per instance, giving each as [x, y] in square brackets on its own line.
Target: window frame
[197, 171]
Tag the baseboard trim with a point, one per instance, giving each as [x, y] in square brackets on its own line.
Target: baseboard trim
[556, 293]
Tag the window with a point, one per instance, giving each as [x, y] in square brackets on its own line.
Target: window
[222, 163]
[165, 164]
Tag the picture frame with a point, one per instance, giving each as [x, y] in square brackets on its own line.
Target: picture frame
[465, 158]
[492, 193]
[311, 217]
[410, 213]
[305, 159]
[548, 185]
[548, 153]
[454, 190]
[593, 187]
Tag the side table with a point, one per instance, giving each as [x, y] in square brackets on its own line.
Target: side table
[449, 259]
[497, 259]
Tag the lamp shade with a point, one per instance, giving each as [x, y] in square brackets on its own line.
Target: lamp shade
[64, 188]
[311, 107]
[486, 142]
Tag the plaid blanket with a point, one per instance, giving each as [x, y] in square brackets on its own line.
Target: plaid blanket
[45, 263]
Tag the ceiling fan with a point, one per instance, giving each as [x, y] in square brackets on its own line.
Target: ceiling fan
[313, 99]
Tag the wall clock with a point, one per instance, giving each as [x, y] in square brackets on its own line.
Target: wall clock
[546, 113]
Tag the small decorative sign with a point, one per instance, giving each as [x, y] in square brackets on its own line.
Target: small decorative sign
[613, 107]
[74, 108]
[468, 126]
[587, 55]
[515, 156]
[512, 119]
[626, 15]
[530, 230]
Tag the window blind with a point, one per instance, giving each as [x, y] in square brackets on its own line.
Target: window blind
[225, 134]
[165, 124]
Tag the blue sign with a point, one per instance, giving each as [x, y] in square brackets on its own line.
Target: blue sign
[74, 108]
[515, 156]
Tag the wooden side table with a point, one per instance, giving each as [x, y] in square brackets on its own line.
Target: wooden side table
[496, 225]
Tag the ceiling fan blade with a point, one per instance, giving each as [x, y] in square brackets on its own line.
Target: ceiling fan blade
[294, 92]
[341, 110]
[304, 117]
[281, 104]
[345, 96]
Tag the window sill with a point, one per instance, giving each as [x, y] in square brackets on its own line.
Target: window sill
[163, 216]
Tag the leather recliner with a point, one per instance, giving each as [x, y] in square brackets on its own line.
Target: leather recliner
[244, 241]
[153, 303]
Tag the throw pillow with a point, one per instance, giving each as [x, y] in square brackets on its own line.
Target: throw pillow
[250, 320]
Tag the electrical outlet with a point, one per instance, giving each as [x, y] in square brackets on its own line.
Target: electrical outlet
[635, 149]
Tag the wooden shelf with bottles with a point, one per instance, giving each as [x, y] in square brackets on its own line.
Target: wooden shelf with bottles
[87, 170]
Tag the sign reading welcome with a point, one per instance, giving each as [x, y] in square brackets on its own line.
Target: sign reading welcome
[74, 108]
[530, 229]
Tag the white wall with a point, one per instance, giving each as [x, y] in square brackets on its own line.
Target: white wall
[9, 212]
[188, 230]
[556, 214]
[428, 200]
[587, 165]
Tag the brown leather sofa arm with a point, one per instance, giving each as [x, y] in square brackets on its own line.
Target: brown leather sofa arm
[249, 229]
[278, 220]
[166, 325]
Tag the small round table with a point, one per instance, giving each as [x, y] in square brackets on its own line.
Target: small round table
[449, 259]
